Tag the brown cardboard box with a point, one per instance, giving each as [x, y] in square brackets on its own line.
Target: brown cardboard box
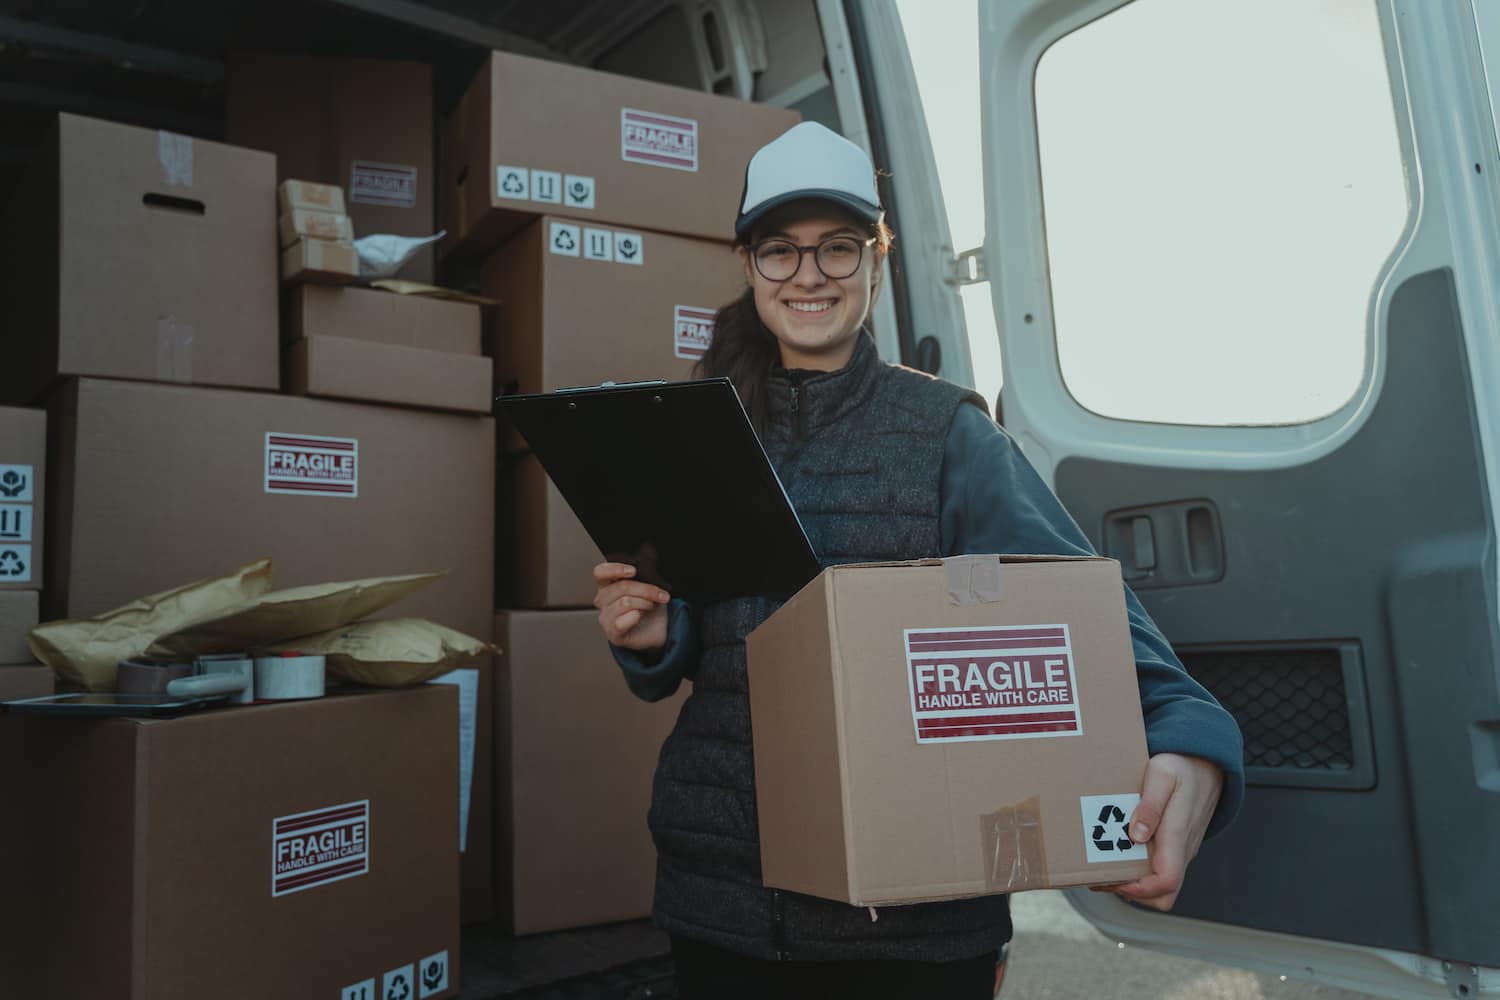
[575, 755]
[384, 318]
[174, 866]
[319, 261]
[137, 463]
[363, 124]
[137, 254]
[293, 194]
[18, 615]
[609, 149]
[23, 480]
[546, 558]
[340, 368]
[26, 681]
[304, 222]
[948, 728]
[566, 319]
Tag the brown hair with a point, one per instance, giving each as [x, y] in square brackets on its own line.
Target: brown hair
[744, 351]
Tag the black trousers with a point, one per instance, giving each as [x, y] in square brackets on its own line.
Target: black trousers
[708, 973]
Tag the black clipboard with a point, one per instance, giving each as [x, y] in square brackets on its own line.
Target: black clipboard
[671, 478]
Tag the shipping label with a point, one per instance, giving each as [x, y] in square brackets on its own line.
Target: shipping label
[659, 140]
[314, 848]
[312, 466]
[694, 330]
[1001, 682]
[1105, 833]
[383, 184]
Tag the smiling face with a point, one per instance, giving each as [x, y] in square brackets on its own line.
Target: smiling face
[814, 318]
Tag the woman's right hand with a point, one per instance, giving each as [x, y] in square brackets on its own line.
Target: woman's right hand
[632, 614]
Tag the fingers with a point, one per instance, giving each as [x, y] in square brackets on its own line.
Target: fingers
[609, 572]
[1156, 791]
[609, 594]
[620, 616]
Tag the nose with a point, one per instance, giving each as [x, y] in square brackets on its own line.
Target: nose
[808, 275]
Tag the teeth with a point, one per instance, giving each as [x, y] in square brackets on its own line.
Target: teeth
[811, 307]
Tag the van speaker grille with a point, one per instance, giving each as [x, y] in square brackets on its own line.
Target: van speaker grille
[1290, 705]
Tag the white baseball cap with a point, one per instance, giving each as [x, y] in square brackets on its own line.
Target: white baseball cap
[808, 161]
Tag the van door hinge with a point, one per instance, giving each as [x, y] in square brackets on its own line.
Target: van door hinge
[1461, 978]
[967, 268]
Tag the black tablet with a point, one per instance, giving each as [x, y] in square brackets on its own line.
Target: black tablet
[150, 706]
[671, 478]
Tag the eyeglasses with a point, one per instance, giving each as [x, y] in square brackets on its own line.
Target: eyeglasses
[836, 257]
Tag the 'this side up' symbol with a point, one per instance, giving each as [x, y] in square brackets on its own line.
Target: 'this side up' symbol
[1101, 837]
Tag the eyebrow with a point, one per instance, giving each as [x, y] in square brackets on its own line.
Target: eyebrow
[841, 231]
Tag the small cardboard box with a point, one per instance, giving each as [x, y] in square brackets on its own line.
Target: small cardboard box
[19, 610]
[362, 370]
[948, 728]
[305, 222]
[137, 254]
[365, 125]
[575, 755]
[26, 681]
[320, 262]
[293, 194]
[211, 855]
[580, 305]
[23, 480]
[608, 149]
[384, 318]
[231, 477]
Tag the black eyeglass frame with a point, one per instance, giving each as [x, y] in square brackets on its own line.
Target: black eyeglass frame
[815, 248]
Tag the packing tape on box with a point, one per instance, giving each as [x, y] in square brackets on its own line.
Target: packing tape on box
[176, 155]
[288, 676]
[1015, 856]
[973, 579]
[174, 350]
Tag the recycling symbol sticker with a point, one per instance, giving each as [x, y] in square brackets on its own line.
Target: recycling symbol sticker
[15, 563]
[1105, 834]
[512, 182]
[433, 972]
[565, 239]
[396, 984]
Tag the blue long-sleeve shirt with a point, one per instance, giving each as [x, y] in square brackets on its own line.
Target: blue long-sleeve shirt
[993, 501]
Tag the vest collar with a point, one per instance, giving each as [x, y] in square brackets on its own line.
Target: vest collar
[802, 402]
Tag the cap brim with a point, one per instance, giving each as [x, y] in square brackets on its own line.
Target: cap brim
[861, 209]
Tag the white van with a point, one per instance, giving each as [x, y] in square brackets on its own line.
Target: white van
[1326, 567]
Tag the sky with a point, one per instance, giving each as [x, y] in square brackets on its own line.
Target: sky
[1214, 231]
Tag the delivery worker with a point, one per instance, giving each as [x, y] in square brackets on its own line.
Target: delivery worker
[881, 463]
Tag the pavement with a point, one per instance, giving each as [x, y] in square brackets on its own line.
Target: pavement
[1057, 954]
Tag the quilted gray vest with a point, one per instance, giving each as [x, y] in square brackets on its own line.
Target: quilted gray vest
[860, 452]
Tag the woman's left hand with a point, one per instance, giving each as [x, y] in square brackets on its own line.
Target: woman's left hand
[1178, 799]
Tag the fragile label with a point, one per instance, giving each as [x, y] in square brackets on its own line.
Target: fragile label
[15, 522]
[1000, 682]
[1105, 832]
[694, 330]
[383, 184]
[657, 139]
[312, 466]
[314, 848]
[15, 563]
[16, 482]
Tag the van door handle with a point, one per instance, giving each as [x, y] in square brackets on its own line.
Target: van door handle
[1172, 544]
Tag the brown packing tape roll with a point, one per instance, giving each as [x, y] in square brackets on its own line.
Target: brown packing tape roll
[972, 579]
[1015, 855]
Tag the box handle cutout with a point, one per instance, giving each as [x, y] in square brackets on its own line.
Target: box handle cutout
[191, 206]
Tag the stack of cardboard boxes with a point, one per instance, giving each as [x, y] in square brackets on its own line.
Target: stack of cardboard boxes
[311, 211]
[23, 450]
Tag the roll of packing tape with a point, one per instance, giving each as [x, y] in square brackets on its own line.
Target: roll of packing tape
[234, 665]
[289, 675]
[149, 676]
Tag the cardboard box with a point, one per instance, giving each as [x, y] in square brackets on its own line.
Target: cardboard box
[568, 319]
[948, 728]
[545, 557]
[319, 261]
[597, 146]
[25, 681]
[384, 318]
[340, 368]
[293, 194]
[23, 495]
[137, 254]
[363, 124]
[155, 486]
[177, 865]
[19, 610]
[304, 222]
[575, 755]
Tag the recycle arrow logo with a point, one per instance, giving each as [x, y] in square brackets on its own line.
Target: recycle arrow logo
[1109, 815]
[399, 989]
[11, 563]
[511, 184]
[564, 240]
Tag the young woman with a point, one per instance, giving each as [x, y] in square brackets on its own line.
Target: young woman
[881, 463]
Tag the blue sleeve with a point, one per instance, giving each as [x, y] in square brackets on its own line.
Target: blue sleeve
[654, 677]
[993, 501]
